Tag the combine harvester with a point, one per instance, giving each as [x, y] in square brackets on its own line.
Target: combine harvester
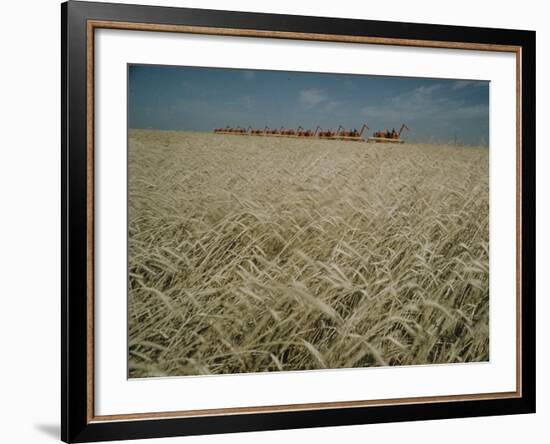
[288, 132]
[222, 130]
[328, 134]
[237, 131]
[281, 132]
[352, 135]
[301, 132]
[388, 136]
[270, 132]
[257, 132]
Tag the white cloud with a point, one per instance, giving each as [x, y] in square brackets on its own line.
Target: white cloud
[460, 84]
[473, 111]
[332, 105]
[247, 101]
[409, 105]
[432, 115]
[311, 97]
[427, 90]
[424, 102]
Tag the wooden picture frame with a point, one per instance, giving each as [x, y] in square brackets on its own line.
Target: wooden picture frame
[79, 22]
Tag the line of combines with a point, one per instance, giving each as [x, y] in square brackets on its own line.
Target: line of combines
[341, 133]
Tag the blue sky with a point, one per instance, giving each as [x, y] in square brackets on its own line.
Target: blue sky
[200, 99]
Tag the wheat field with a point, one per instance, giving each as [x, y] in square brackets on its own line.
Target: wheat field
[253, 254]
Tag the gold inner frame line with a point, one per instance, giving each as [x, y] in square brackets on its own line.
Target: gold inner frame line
[92, 25]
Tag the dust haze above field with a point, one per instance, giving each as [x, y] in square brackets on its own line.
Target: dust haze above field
[256, 254]
[200, 99]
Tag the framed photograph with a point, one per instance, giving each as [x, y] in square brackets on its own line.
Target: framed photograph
[276, 221]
